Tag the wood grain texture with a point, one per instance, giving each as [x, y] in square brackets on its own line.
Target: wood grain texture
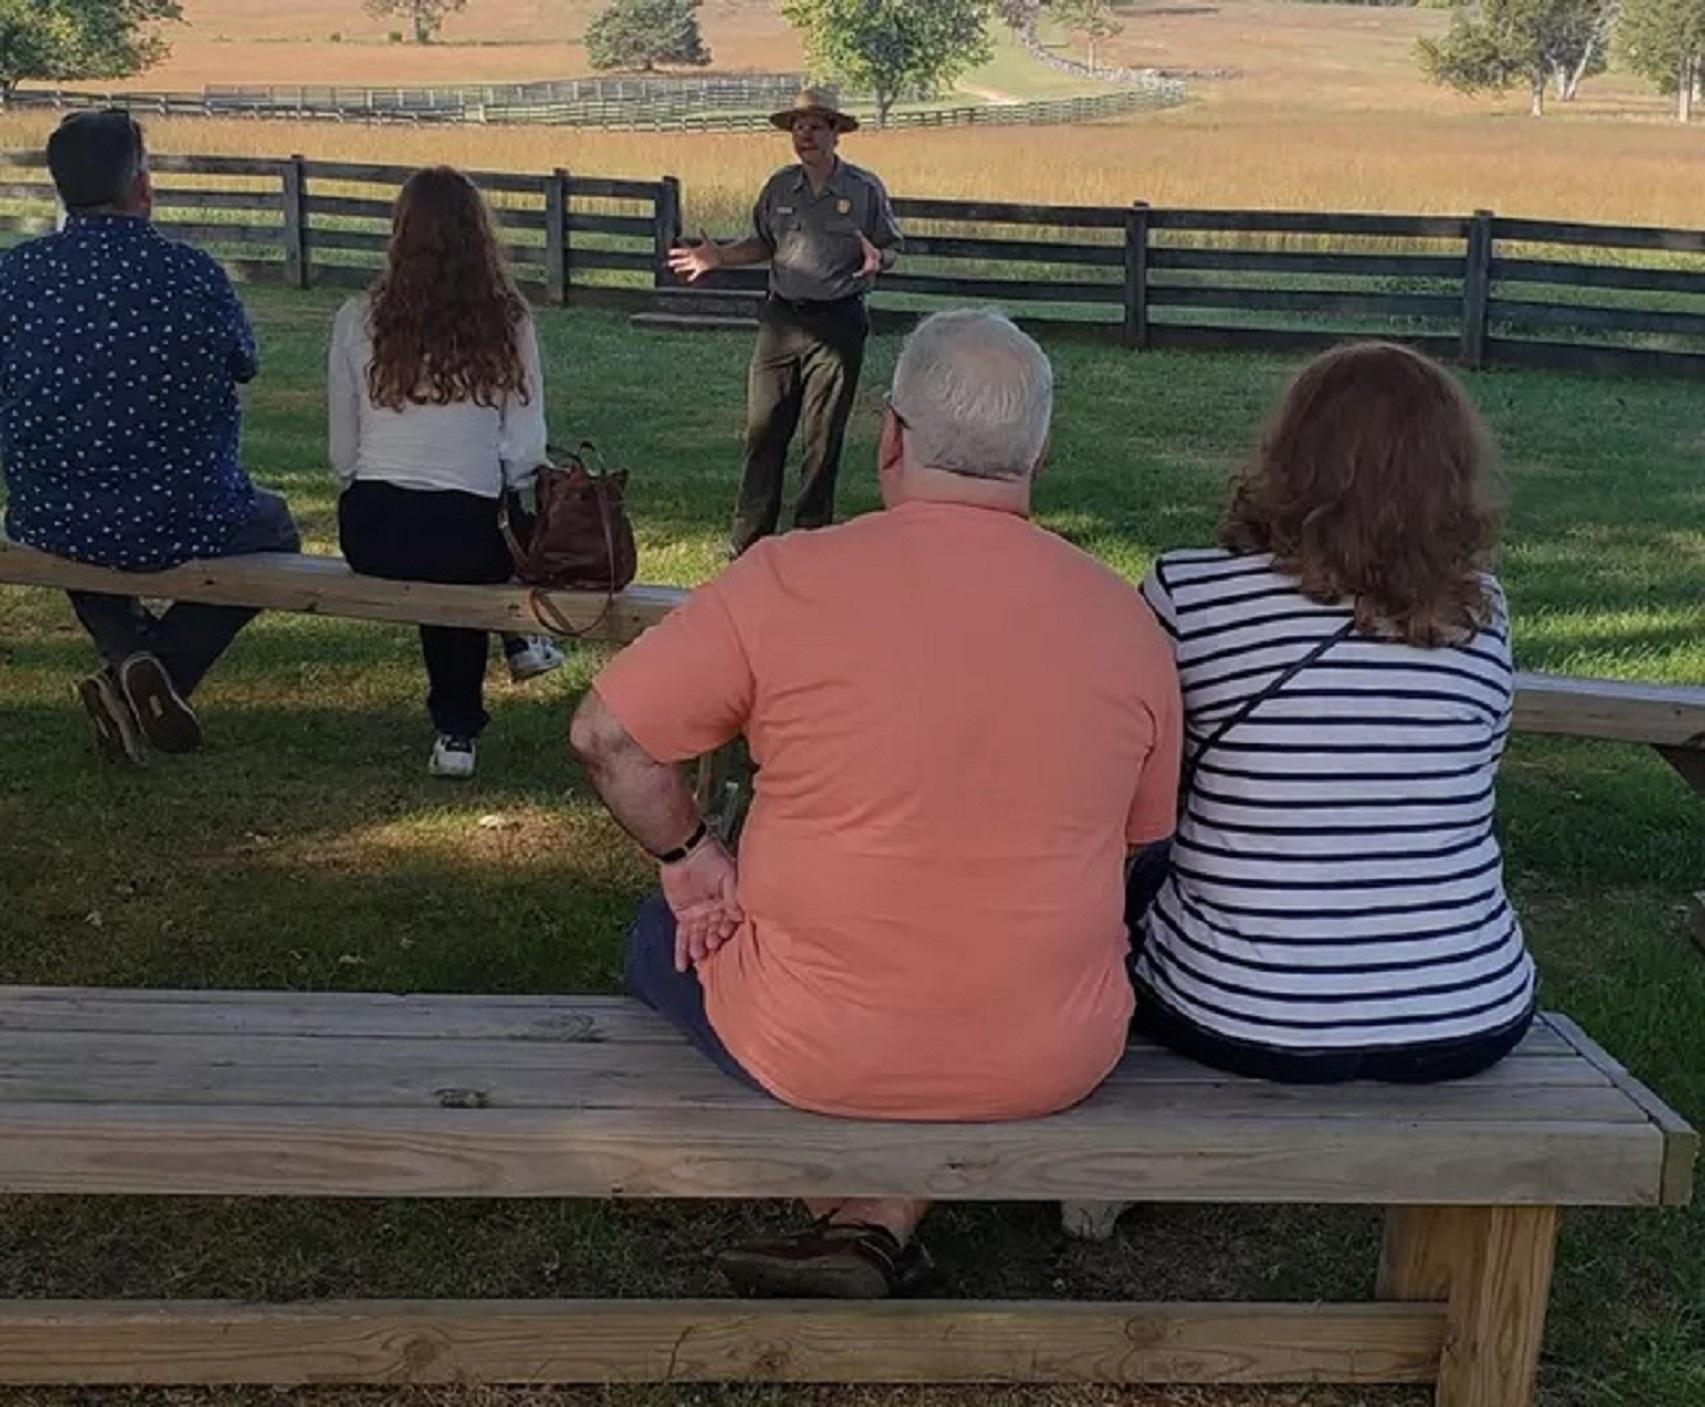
[325, 586]
[166, 1011]
[1501, 1260]
[1667, 714]
[1681, 1140]
[397, 1342]
[1416, 1259]
[1097, 1152]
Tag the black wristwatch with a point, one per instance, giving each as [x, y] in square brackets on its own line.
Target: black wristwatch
[686, 848]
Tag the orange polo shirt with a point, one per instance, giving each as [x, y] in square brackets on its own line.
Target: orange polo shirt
[960, 723]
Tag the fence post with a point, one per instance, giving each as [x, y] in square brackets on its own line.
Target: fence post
[1136, 333]
[556, 237]
[1477, 289]
[667, 230]
[296, 266]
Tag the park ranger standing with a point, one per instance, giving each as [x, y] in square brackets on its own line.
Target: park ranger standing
[827, 229]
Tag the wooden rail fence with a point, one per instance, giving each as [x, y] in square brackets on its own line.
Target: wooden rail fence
[1478, 288]
[728, 106]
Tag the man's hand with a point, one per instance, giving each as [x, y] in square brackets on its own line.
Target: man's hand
[694, 263]
[701, 891]
[872, 265]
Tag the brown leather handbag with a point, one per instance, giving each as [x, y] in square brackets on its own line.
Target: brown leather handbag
[578, 537]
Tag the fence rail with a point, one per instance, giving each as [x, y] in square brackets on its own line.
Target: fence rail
[728, 105]
[1478, 288]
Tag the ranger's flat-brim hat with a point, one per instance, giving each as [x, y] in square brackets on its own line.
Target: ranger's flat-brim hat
[814, 102]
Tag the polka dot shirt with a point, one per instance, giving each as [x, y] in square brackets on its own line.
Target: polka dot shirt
[120, 355]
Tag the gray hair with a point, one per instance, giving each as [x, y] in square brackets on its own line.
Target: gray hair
[974, 394]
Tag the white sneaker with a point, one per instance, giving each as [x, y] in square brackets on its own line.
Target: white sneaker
[452, 757]
[540, 657]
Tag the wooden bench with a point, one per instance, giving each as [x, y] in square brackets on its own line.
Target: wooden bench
[276, 1093]
[1668, 718]
[251, 1094]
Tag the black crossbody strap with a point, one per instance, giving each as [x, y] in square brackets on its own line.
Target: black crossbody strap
[1251, 704]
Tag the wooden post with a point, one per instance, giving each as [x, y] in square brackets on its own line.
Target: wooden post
[1492, 1266]
[1689, 762]
[668, 229]
[1477, 289]
[297, 269]
[1136, 333]
[556, 237]
[1413, 1263]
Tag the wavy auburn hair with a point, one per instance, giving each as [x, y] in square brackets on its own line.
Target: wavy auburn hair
[1373, 482]
[444, 315]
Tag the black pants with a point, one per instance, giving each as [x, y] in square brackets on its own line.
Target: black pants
[804, 376]
[1423, 1064]
[432, 535]
[191, 635]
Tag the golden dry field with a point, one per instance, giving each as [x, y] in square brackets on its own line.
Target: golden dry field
[1325, 111]
[289, 41]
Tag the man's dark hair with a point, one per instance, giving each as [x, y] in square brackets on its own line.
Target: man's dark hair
[95, 158]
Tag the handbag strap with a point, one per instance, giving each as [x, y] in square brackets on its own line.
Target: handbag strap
[1249, 706]
[506, 526]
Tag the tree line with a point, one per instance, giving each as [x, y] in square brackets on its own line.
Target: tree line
[890, 49]
[1552, 45]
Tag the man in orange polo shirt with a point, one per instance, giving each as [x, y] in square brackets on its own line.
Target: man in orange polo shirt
[962, 724]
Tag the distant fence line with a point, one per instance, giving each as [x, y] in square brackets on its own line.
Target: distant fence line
[1478, 288]
[722, 105]
[719, 90]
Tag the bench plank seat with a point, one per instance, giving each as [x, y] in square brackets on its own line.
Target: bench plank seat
[599, 1341]
[324, 585]
[371, 1096]
[283, 1093]
[1671, 718]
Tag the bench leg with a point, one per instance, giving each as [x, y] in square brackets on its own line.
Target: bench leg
[1492, 1267]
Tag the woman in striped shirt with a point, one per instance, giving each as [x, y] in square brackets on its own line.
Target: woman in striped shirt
[1334, 905]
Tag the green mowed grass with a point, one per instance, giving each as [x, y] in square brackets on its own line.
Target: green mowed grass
[306, 848]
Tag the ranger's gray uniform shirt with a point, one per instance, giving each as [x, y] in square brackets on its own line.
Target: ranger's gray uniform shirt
[813, 239]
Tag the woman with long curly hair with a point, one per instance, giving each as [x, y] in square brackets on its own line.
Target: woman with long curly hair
[437, 410]
[1333, 904]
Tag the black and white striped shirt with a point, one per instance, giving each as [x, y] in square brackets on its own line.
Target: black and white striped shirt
[1336, 881]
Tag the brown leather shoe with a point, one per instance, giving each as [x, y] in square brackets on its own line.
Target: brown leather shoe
[116, 733]
[167, 721]
[829, 1260]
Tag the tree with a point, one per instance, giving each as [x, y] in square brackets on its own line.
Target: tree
[54, 40]
[1664, 40]
[427, 15]
[1494, 44]
[1093, 19]
[890, 47]
[644, 33]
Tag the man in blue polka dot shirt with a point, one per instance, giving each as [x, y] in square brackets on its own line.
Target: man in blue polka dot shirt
[120, 356]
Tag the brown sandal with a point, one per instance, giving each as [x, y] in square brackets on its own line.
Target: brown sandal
[829, 1260]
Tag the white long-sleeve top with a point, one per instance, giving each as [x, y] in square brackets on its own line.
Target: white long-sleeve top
[474, 448]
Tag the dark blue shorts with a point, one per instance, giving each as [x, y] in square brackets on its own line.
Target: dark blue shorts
[677, 997]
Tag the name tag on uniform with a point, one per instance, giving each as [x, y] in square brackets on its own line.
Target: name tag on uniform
[843, 207]
[784, 210]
